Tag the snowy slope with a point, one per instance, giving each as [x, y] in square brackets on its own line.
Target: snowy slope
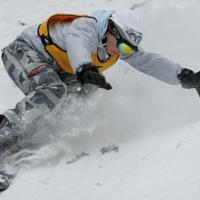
[155, 126]
[158, 167]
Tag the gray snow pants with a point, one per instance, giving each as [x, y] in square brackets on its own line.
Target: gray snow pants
[43, 90]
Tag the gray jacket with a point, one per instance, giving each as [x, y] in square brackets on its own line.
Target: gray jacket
[81, 37]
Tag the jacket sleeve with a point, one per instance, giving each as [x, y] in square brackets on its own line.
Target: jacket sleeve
[154, 65]
[81, 40]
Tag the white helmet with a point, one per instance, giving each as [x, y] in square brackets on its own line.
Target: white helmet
[122, 24]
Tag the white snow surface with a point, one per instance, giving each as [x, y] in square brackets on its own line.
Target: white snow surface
[155, 126]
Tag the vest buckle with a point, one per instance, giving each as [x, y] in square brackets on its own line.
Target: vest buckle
[46, 40]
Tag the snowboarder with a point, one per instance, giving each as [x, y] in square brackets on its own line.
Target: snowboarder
[66, 52]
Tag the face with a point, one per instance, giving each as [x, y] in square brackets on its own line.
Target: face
[111, 46]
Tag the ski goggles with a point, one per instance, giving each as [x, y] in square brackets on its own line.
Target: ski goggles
[123, 45]
[125, 48]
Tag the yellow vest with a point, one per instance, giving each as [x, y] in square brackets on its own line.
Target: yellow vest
[60, 55]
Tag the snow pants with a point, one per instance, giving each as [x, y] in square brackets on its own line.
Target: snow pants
[42, 87]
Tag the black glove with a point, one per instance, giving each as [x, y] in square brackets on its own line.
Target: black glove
[189, 79]
[88, 73]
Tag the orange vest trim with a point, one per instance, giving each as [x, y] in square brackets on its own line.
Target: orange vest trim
[60, 55]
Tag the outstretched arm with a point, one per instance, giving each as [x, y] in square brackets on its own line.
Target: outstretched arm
[163, 69]
[154, 65]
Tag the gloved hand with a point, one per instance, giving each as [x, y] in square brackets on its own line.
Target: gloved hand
[189, 79]
[88, 73]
